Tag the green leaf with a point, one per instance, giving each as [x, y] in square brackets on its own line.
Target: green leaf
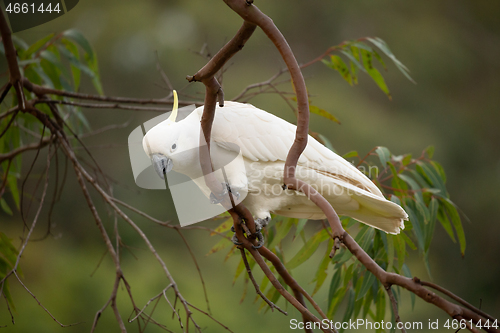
[348, 275]
[36, 46]
[14, 191]
[414, 186]
[408, 241]
[323, 266]
[308, 249]
[323, 113]
[334, 284]
[350, 308]
[364, 237]
[427, 265]
[70, 51]
[78, 37]
[390, 252]
[429, 232]
[96, 80]
[223, 227]
[368, 280]
[239, 269]
[384, 48]
[440, 170]
[90, 56]
[416, 226]
[52, 74]
[339, 65]
[354, 62]
[379, 58]
[8, 250]
[350, 154]
[335, 302]
[283, 227]
[400, 246]
[384, 155]
[453, 215]
[430, 151]
[5, 207]
[407, 273]
[367, 302]
[354, 72]
[374, 73]
[445, 222]
[396, 181]
[380, 306]
[434, 176]
[300, 226]
[52, 55]
[407, 159]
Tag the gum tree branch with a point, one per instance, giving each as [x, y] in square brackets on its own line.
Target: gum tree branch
[456, 298]
[102, 106]
[41, 90]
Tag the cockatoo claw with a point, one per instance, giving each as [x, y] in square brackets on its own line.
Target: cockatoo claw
[260, 240]
[235, 240]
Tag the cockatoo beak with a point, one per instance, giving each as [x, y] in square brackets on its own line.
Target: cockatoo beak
[161, 164]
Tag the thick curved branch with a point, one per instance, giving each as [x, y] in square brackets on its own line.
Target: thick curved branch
[456, 298]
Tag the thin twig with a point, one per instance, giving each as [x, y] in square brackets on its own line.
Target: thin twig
[209, 316]
[197, 267]
[394, 304]
[256, 285]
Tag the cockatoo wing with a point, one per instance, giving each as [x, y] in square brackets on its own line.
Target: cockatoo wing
[264, 137]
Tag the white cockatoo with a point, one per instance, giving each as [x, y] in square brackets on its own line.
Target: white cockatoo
[263, 141]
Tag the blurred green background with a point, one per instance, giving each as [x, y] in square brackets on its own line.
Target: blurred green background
[452, 49]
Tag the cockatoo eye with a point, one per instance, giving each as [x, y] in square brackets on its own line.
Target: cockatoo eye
[174, 147]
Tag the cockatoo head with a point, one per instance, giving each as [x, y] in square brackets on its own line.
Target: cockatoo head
[171, 145]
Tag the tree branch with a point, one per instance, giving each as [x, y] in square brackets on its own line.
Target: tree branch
[41, 90]
[15, 78]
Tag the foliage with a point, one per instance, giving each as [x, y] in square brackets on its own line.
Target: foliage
[55, 61]
[8, 258]
[360, 56]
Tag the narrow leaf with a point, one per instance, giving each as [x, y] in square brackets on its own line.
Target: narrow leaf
[323, 113]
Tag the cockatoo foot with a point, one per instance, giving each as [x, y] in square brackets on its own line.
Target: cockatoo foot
[261, 223]
[260, 238]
